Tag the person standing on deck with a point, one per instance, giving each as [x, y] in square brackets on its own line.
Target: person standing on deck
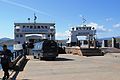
[24, 45]
[5, 60]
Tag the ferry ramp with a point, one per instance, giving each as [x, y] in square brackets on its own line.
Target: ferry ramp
[70, 67]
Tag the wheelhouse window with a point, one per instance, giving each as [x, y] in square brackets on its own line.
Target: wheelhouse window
[23, 26]
[21, 35]
[46, 27]
[38, 27]
[17, 35]
[31, 27]
[27, 26]
[34, 27]
[48, 35]
[42, 26]
[17, 30]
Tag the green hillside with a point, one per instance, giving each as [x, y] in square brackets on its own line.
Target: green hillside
[8, 42]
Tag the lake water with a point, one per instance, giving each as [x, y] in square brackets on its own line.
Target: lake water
[9, 47]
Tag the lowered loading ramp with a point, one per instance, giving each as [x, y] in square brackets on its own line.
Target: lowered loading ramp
[84, 51]
[91, 52]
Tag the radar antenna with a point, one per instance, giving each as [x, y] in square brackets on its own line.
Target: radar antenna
[35, 17]
[83, 20]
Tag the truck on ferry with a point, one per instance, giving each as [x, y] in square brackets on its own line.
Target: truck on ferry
[47, 49]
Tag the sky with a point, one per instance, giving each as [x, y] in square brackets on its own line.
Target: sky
[104, 15]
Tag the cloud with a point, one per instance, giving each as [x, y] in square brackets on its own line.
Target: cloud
[116, 25]
[108, 19]
[26, 7]
[63, 35]
[60, 34]
[99, 28]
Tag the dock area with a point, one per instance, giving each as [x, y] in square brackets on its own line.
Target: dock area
[70, 67]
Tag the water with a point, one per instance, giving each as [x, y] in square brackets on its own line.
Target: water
[10, 48]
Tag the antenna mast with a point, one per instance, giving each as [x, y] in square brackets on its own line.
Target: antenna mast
[35, 17]
[83, 20]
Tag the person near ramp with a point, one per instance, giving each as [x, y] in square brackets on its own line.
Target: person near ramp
[5, 61]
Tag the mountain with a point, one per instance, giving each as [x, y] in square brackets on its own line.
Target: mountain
[108, 38]
[9, 41]
[117, 37]
[6, 41]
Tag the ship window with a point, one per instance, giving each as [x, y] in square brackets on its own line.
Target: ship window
[27, 26]
[21, 35]
[42, 27]
[46, 27]
[17, 35]
[72, 29]
[34, 27]
[86, 28]
[23, 26]
[76, 28]
[90, 28]
[52, 35]
[48, 35]
[31, 27]
[83, 28]
[38, 26]
[17, 30]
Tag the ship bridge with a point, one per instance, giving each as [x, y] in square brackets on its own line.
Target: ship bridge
[88, 31]
[33, 31]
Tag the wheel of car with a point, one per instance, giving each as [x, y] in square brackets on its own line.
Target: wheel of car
[40, 58]
[34, 57]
